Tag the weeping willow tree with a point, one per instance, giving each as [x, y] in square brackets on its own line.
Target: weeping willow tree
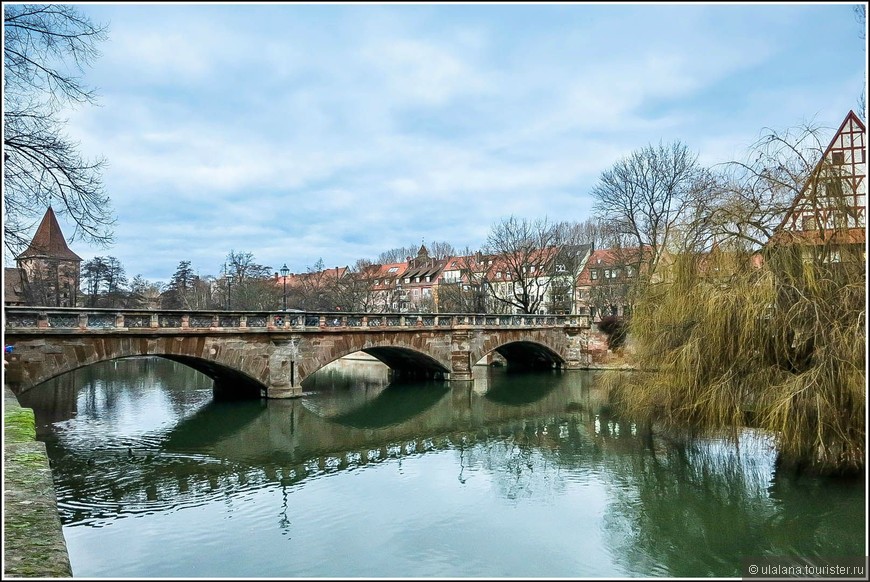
[773, 336]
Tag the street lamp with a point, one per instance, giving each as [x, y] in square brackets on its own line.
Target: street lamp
[229, 289]
[284, 271]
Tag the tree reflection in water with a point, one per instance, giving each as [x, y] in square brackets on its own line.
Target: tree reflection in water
[139, 438]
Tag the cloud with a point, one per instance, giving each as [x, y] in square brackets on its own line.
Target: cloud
[299, 132]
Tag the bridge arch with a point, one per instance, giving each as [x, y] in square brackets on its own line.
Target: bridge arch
[233, 375]
[229, 383]
[406, 356]
[524, 352]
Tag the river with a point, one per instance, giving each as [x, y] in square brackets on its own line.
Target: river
[512, 475]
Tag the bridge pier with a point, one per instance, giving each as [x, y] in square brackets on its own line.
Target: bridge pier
[460, 356]
[578, 348]
[284, 369]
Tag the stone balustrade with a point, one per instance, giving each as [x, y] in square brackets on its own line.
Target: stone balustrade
[46, 319]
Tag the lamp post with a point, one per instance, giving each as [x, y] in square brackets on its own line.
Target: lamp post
[284, 271]
[229, 290]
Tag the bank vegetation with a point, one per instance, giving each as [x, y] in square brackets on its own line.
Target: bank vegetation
[744, 323]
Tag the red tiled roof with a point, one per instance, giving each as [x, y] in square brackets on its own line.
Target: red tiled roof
[604, 259]
[48, 242]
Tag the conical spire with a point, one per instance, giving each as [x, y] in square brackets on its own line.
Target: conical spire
[48, 242]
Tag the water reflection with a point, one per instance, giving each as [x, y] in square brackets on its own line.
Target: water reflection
[421, 479]
[536, 385]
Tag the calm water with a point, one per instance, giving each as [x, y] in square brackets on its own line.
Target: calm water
[513, 476]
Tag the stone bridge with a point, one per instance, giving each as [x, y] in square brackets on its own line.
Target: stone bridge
[272, 353]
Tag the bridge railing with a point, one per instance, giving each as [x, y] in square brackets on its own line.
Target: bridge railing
[60, 318]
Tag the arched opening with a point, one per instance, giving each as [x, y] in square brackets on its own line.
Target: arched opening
[408, 364]
[402, 364]
[228, 384]
[525, 355]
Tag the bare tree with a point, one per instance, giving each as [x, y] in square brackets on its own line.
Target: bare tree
[42, 167]
[144, 294]
[252, 286]
[597, 232]
[397, 255]
[440, 250]
[522, 250]
[645, 195]
[353, 292]
[53, 283]
[753, 194]
[318, 289]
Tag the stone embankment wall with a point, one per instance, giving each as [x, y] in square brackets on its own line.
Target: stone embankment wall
[34, 546]
[601, 357]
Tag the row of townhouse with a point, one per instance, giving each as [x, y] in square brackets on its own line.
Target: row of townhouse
[572, 279]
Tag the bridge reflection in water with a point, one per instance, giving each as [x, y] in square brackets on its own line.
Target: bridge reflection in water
[352, 415]
[535, 455]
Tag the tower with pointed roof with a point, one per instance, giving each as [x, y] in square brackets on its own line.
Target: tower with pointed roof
[49, 271]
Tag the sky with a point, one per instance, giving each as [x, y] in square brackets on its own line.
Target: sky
[300, 132]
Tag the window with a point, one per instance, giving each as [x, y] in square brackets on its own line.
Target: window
[393, 269]
[808, 222]
[560, 268]
[428, 278]
[607, 273]
[838, 158]
[593, 274]
[629, 271]
[407, 279]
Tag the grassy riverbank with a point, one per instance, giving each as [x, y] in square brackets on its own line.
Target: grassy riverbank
[34, 546]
